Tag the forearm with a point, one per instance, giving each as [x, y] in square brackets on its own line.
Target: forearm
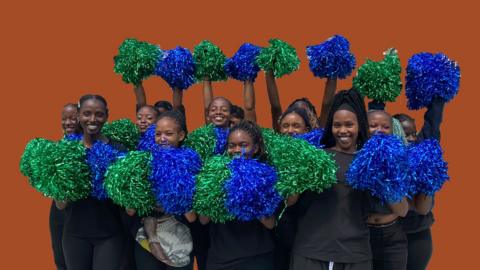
[327, 101]
[433, 119]
[207, 97]
[249, 101]
[423, 203]
[274, 99]
[401, 208]
[140, 96]
[268, 222]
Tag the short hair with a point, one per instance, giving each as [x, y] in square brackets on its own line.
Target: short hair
[163, 104]
[84, 98]
[237, 112]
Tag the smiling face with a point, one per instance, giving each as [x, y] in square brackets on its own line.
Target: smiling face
[69, 119]
[145, 117]
[379, 122]
[240, 143]
[219, 112]
[92, 116]
[168, 133]
[293, 124]
[345, 131]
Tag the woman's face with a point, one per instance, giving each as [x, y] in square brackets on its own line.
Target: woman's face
[292, 124]
[312, 118]
[92, 116]
[345, 130]
[379, 122]
[69, 120]
[219, 112]
[145, 117]
[168, 133]
[240, 143]
[410, 130]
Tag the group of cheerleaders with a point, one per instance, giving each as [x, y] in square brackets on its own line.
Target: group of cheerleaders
[341, 228]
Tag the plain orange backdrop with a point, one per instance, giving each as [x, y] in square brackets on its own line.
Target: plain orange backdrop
[52, 52]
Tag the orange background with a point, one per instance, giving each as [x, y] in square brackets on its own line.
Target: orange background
[55, 51]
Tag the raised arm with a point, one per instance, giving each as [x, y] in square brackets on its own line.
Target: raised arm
[274, 98]
[328, 94]
[207, 97]
[249, 101]
[140, 97]
[432, 120]
[177, 101]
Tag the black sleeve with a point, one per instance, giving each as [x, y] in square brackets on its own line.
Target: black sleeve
[432, 120]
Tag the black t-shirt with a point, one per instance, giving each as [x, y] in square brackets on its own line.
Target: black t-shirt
[333, 227]
[377, 206]
[414, 222]
[91, 217]
[236, 240]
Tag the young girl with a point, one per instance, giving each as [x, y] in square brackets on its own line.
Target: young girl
[236, 244]
[388, 240]
[93, 236]
[170, 132]
[420, 218]
[332, 230]
[57, 219]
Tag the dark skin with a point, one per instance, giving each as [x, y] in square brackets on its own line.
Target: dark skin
[70, 119]
[380, 121]
[292, 124]
[421, 203]
[91, 117]
[345, 131]
[145, 117]
[219, 112]
[241, 143]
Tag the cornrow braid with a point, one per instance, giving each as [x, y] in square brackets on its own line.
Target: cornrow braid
[255, 133]
[352, 98]
[179, 119]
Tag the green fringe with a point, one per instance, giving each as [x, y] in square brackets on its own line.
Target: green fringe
[380, 80]
[210, 195]
[279, 57]
[127, 184]
[209, 61]
[123, 131]
[203, 141]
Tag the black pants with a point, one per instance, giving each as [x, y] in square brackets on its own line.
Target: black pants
[56, 231]
[389, 247]
[259, 262]
[94, 253]
[146, 261]
[419, 249]
[201, 243]
[298, 262]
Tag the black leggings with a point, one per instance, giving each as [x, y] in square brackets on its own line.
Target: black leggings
[146, 261]
[389, 247]
[56, 232]
[419, 249]
[94, 253]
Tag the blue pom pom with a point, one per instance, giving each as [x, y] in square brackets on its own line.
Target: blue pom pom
[147, 141]
[428, 169]
[99, 157]
[313, 137]
[242, 66]
[177, 68]
[381, 167]
[221, 135]
[173, 178]
[430, 75]
[250, 192]
[332, 58]
[73, 137]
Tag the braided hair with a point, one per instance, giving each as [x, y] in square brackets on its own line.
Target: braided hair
[353, 99]
[178, 118]
[256, 134]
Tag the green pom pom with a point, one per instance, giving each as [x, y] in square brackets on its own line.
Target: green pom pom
[280, 57]
[58, 170]
[32, 154]
[136, 60]
[127, 184]
[300, 166]
[210, 194]
[202, 140]
[123, 131]
[209, 61]
[380, 80]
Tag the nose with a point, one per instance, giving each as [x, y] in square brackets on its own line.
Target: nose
[92, 118]
[291, 130]
[343, 130]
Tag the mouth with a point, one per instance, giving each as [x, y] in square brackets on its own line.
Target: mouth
[344, 139]
[218, 118]
[92, 127]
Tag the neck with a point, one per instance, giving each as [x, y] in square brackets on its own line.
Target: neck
[347, 151]
[89, 139]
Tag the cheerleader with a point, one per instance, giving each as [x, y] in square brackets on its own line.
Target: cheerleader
[56, 220]
[388, 240]
[332, 230]
[236, 244]
[420, 218]
[93, 236]
[237, 114]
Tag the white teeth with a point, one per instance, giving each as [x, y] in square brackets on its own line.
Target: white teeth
[92, 127]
